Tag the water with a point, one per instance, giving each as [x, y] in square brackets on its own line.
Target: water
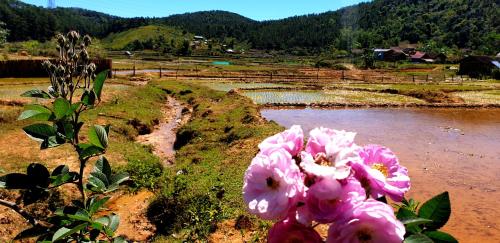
[223, 63]
[330, 96]
[227, 86]
[455, 150]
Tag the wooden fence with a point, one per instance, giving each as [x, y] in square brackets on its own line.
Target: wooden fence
[265, 76]
[33, 68]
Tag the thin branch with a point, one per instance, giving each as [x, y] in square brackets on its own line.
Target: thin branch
[20, 211]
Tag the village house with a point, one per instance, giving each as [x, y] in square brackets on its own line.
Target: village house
[389, 55]
[478, 66]
[421, 57]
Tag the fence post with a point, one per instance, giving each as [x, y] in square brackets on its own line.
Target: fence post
[413, 76]
[427, 78]
[134, 70]
[160, 71]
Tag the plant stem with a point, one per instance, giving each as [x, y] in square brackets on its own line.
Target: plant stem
[20, 211]
[80, 180]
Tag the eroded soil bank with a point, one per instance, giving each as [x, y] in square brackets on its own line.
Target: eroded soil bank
[164, 134]
[455, 150]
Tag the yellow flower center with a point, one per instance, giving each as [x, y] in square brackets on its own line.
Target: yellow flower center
[382, 168]
[322, 160]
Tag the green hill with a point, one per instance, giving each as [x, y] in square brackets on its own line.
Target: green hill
[145, 37]
[456, 24]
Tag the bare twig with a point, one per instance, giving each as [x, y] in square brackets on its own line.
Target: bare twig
[20, 211]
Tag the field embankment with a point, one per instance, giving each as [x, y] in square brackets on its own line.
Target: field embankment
[214, 149]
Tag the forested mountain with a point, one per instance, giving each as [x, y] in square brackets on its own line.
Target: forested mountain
[31, 22]
[213, 24]
[472, 24]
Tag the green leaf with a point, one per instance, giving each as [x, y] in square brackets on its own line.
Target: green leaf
[36, 93]
[62, 108]
[88, 150]
[102, 165]
[81, 215]
[441, 237]
[32, 232]
[438, 209]
[404, 213]
[415, 221]
[40, 131]
[102, 177]
[103, 220]
[88, 98]
[45, 134]
[114, 222]
[418, 238]
[61, 175]
[15, 181]
[64, 232]
[98, 136]
[96, 204]
[39, 175]
[99, 83]
[75, 106]
[36, 112]
[119, 178]
[96, 185]
[119, 239]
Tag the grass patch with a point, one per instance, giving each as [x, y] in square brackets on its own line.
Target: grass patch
[144, 167]
[217, 146]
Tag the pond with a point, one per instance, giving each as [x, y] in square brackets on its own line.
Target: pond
[455, 150]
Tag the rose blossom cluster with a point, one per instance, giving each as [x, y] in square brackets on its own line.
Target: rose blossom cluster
[329, 181]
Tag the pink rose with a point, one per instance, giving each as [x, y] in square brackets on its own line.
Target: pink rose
[381, 174]
[370, 221]
[272, 184]
[290, 231]
[291, 140]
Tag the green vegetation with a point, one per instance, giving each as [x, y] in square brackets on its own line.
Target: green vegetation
[332, 96]
[59, 124]
[214, 149]
[438, 25]
[3, 33]
[149, 37]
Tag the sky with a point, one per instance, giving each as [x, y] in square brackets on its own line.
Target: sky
[254, 9]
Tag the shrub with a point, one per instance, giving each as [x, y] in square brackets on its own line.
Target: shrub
[80, 220]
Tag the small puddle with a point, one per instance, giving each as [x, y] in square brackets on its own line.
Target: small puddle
[163, 136]
[455, 150]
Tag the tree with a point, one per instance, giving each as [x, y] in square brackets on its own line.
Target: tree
[59, 123]
[3, 33]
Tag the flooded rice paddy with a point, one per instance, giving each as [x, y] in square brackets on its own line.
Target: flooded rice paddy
[455, 150]
[326, 96]
[227, 86]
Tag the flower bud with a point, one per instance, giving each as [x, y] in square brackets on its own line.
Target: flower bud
[46, 64]
[87, 40]
[61, 40]
[73, 36]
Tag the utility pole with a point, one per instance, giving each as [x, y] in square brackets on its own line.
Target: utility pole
[51, 4]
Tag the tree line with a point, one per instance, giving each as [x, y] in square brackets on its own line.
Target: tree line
[461, 24]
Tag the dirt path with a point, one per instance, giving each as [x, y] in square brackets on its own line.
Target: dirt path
[163, 136]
